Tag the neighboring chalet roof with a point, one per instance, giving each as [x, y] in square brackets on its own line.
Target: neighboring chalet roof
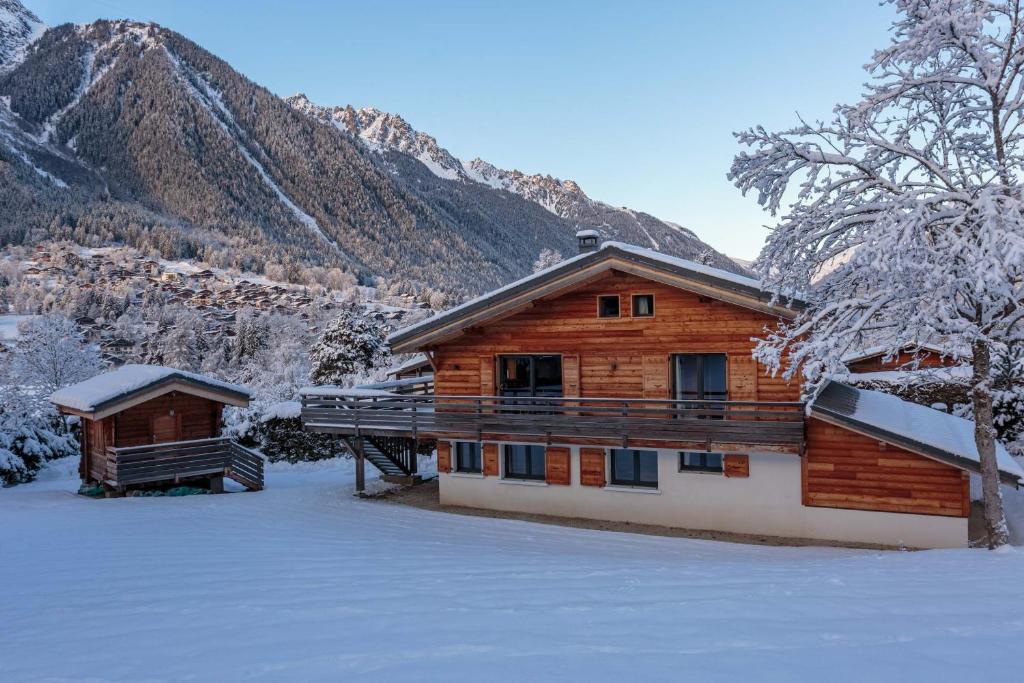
[875, 351]
[417, 361]
[128, 385]
[671, 270]
[922, 430]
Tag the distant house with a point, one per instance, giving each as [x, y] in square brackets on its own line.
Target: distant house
[619, 385]
[912, 356]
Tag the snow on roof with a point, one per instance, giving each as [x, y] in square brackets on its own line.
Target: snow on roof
[93, 393]
[915, 427]
[699, 269]
[587, 233]
[333, 390]
[417, 360]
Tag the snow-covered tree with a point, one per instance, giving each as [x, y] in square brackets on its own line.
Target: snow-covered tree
[352, 343]
[546, 259]
[50, 354]
[904, 220]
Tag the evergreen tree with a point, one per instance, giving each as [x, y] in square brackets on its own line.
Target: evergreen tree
[351, 344]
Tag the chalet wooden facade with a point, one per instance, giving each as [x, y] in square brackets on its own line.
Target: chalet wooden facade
[145, 425]
[620, 373]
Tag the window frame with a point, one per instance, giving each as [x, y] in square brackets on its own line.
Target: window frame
[458, 457]
[532, 357]
[602, 297]
[636, 481]
[632, 305]
[704, 468]
[702, 393]
[530, 476]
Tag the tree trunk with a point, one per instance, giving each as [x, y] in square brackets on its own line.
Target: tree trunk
[985, 438]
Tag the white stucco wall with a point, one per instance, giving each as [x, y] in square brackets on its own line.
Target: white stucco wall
[766, 502]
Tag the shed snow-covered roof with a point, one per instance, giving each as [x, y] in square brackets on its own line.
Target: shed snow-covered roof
[104, 393]
[417, 361]
[715, 282]
[917, 428]
[874, 351]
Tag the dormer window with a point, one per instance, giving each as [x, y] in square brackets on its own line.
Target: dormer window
[608, 306]
[643, 305]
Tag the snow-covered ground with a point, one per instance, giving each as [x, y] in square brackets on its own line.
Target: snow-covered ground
[304, 582]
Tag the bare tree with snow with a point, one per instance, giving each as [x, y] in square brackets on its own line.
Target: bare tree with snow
[51, 353]
[901, 218]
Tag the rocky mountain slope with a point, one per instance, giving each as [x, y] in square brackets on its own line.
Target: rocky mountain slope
[382, 131]
[18, 28]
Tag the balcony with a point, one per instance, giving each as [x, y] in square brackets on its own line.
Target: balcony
[718, 426]
[177, 461]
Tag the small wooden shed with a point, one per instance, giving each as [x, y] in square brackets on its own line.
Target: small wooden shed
[149, 424]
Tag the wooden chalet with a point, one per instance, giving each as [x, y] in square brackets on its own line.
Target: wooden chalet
[912, 356]
[148, 425]
[622, 372]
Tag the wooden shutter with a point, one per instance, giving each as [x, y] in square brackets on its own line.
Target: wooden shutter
[571, 376]
[556, 465]
[444, 456]
[592, 467]
[487, 376]
[655, 368]
[736, 466]
[490, 459]
[742, 378]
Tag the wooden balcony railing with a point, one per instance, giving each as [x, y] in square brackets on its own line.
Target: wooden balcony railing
[619, 422]
[179, 460]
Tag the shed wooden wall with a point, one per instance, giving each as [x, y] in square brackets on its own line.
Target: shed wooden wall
[618, 357]
[843, 469]
[195, 418]
[875, 364]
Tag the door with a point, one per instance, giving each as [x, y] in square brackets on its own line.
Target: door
[530, 375]
[700, 377]
[165, 428]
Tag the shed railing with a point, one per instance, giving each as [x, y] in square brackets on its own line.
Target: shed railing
[775, 425]
[178, 460]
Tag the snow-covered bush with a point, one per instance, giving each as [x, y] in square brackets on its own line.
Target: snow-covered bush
[276, 431]
[29, 436]
[353, 343]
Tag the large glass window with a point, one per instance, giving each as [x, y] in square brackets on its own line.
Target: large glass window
[530, 375]
[631, 467]
[467, 457]
[524, 462]
[700, 462]
[700, 377]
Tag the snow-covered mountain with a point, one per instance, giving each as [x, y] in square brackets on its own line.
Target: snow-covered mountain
[383, 131]
[18, 28]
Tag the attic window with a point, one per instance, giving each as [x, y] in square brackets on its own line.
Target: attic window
[608, 306]
[643, 305]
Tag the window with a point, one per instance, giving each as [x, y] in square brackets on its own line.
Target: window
[467, 457]
[700, 377]
[634, 468]
[530, 375]
[643, 305]
[700, 462]
[524, 462]
[608, 306]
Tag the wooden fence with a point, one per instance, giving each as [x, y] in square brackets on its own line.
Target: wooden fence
[179, 460]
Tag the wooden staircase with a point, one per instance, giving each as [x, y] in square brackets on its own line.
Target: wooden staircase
[394, 457]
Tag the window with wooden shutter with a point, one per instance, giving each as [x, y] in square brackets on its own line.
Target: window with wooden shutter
[444, 456]
[742, 378]
[655, 369]
[557, 463]
[592, 467]
[487, 376]
[490, 459]
[736, 465]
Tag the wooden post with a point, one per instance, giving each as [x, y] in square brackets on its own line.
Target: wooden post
[360, 465]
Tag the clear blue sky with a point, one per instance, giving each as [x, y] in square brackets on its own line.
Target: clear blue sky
[634, 100]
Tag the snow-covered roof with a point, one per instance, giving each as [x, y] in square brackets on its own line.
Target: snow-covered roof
[587, 233]
[111, 388]
[748, 288]
[332, 390]
[418, 360]
[914, 427]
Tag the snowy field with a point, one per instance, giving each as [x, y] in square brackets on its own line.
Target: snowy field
[303, 582]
